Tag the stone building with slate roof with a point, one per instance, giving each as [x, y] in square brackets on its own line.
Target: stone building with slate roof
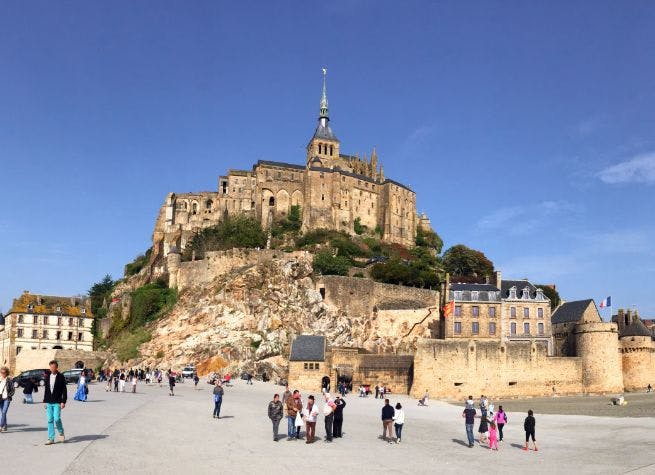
[332, 190]
[39, 322]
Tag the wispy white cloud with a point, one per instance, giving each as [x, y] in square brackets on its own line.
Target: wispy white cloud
[525, 219]
[639, 169]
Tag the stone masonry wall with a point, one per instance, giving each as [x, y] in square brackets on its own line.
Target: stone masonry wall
[217, 263]
[362, 296]
[455, 369]
[638, 360]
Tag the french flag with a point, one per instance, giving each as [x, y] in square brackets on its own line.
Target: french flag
[606, 303]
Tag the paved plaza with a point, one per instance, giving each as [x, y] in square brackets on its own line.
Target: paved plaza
[151, 432]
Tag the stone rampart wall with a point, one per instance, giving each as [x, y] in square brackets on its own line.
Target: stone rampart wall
[39, 359]
[455, 369]
[638, 361]
[362, 296]
[217, 263]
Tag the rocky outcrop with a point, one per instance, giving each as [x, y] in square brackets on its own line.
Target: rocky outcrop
[248, 317]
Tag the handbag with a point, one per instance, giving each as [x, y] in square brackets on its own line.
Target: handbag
[299, 421]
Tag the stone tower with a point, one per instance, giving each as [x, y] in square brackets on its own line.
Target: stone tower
[324, 145]
[637, 352]
[597, 344]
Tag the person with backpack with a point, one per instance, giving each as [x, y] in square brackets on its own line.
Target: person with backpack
[6, 394]
[500, 418]
[218, 399]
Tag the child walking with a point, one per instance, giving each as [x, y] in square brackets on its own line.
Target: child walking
[529, 426]
[493, 436]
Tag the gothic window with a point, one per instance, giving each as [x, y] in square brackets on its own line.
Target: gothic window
[208, 204]
[194, 208]
[330, 149]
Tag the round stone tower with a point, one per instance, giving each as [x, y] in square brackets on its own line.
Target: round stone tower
[597, 344]
[638, 355]
[173, 260]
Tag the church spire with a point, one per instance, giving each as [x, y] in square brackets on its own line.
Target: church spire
[324, 102]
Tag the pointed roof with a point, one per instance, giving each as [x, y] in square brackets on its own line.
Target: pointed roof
[323, 130]
[636, 328]
[570, 311]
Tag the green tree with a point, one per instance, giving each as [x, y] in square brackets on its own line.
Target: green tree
[327, 264]
[358, 227]
[99, 292]
[429, 239]
[552, 294]
[138, 263]
[463, 261]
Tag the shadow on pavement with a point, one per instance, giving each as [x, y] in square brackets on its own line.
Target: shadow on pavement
[518, 446]
[460, 442]
[29, 429]
[226, 417]
[85, 438]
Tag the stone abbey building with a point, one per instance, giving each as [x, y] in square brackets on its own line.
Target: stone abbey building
[332, 189]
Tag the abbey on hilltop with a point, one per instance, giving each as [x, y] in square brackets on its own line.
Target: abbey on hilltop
[332, 189]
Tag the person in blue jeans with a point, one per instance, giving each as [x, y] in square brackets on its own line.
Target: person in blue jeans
[469, 420]
[6, 393]
[54, 398]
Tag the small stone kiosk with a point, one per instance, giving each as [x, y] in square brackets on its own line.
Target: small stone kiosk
[307, 362]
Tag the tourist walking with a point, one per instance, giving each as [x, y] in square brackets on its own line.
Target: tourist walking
[337, 425]
[28, 389]
[248, 378]
[292, 406]
[218, 399]
[469, 420]
[328, 416]
[6, 394]
[54, 398]
[325, 384]
[121, 382]
[377, 391]
[171, 384]
[529, 427]
[135, 380]
[398, 422]
[196, 380]
[309, 414]
[80, 394]
[275, 414]
[500, 418]
[387, 420]
[493, 436]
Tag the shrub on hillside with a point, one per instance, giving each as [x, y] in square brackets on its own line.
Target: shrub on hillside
[137, 264]
[235, 231]
[327, 264]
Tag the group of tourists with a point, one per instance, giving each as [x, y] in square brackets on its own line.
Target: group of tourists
[119, 379]
[492, 423]
[301, 414]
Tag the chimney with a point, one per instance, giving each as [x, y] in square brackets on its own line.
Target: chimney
[498, 279]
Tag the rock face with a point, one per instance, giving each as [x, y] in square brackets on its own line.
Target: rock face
[248, 317]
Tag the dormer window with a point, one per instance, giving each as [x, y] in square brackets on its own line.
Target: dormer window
[30, 307]
[458, 295]
[526, 293]
[540, 294]
[512, 292]
[59, 308]
[475, 295]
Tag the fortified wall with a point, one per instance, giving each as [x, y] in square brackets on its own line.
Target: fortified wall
[454, 369]
[638, 360]
[36, 359]
[364, 296]
[201, 272]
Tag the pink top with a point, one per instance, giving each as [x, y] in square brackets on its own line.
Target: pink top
[499, 418]
[492, 432]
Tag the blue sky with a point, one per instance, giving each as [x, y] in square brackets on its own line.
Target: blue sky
[527, 129]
